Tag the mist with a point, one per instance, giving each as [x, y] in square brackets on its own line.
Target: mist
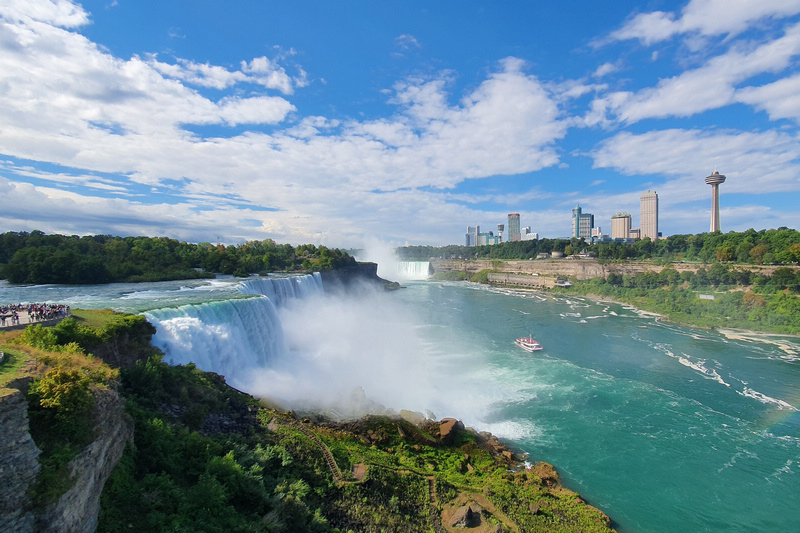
[352, 355]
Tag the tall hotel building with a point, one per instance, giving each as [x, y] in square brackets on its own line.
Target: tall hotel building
[513, 227]
[621, 226]
[649, 215]
[582, 223]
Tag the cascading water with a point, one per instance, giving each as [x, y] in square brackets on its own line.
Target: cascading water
[232, 337]
[282, 289]
[406, 270]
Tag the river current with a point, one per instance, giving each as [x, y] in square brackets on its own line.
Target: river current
[663, 427]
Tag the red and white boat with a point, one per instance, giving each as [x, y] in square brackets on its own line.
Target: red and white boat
[528, 344]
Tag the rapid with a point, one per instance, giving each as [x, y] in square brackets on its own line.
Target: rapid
[663, 427]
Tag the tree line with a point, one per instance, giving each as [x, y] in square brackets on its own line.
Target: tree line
[735, 297]
[765, 247]
[34, 257]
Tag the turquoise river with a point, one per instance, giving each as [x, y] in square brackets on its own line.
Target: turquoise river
[663, 427]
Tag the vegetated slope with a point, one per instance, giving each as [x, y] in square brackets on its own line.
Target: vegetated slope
[209, 458]
[206, 457]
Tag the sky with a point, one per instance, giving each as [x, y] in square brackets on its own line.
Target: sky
[402, 122]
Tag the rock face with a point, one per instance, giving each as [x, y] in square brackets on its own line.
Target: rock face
[78, 508]
[449, 428]
[19, 462]
[467, 517]
[354, 277]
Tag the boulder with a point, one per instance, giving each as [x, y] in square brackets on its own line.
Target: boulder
[449, 428]
[466, 516]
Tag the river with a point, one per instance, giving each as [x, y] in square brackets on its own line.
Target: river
[665, 428]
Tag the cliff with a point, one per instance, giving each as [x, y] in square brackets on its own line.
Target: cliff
[78, 508]
[572, 268]
[354, 277]
[19, 463]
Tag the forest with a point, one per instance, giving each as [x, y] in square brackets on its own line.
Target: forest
[765, 247]
[34, 257]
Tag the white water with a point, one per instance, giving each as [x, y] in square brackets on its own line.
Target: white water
[405, 270]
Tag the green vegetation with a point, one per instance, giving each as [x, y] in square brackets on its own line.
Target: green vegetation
[38, 258]
[741, 299]
[765, 247]
[451, 275]
[209, 458]
[60, 395]
[270, 474]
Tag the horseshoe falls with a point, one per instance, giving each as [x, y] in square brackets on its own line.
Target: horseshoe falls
[665, 428]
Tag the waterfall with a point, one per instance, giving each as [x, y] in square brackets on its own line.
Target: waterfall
[282, 289]
[407, 270]
[232, 337]
[227, 337]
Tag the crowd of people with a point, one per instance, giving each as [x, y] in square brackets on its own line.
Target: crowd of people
[10, 314]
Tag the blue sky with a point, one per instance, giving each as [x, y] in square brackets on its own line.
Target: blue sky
[346, 123]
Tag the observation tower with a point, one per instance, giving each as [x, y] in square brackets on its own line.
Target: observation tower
[714, 180]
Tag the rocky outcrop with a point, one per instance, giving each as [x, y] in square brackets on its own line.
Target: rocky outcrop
[572, 268]
[78, 508]
[357, 276]
[448, 429]
[19, 462]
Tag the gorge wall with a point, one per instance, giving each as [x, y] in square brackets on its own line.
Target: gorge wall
[77, 509]
[570, 268]
[19, 462]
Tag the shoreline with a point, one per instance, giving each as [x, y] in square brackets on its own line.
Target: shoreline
[740, 334]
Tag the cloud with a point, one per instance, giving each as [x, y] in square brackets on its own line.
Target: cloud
[86, 112]
[406, 42]
[710, 86]
[60, 13]
[703, 17]
[779, 99]
[755, 163]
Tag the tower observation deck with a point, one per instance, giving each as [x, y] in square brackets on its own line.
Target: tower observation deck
[714, 180]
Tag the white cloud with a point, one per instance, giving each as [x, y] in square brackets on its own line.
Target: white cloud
[755, 163]
[69, 103]
[779, 99]
[605, 69]
[56, 12]
[704, 17]
[406, 42]
[708, 87]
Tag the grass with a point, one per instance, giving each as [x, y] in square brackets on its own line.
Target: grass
[93, 318]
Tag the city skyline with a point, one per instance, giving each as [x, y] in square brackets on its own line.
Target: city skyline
[397, 121]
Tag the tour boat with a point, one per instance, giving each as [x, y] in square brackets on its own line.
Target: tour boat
[528, 344]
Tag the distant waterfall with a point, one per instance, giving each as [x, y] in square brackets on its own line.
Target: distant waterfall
[409, 270]
[231, 337]
[280, 290]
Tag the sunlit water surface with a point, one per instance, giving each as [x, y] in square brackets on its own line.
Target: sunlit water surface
[665, 428]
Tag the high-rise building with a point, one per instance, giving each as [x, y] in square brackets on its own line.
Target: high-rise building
[648, 225]
[715, 179]
[500, 229]
[621, 226]
[471, 238]
[527, 235]
[582, 223]
[513, 227]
